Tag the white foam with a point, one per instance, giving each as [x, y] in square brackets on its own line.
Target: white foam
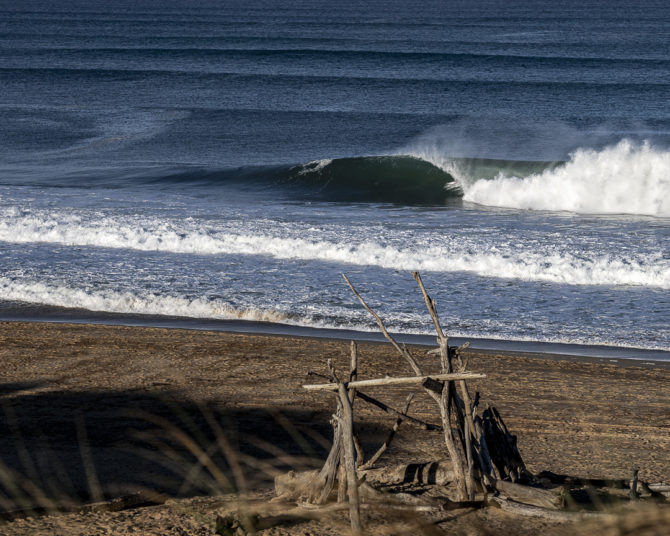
[623, 179]
[314, 166]
[535, 263]
[126, 302]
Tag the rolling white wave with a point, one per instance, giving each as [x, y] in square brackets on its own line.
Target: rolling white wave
[62, 295]
[548, 263]
[623, 179]
[129, 303]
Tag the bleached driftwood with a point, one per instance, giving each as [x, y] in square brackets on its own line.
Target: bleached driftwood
[407, 380]
[402, 415]
[442, 400]
[347, 430]
[435, 472]
[370, 463]
[544, 513]
[552, 499]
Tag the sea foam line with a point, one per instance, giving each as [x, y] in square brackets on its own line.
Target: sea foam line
[60, 295]
[129, 303]
[548, 265]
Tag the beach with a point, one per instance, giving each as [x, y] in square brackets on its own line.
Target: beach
[584, 418]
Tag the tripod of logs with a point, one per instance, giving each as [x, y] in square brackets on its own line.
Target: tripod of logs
[481, 450]
[484, 467]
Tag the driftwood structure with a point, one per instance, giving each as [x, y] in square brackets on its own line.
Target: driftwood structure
[484, 465]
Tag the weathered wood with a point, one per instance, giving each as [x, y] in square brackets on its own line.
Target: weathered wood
[620, 484]
[464, 479]
[347, 430]
[430, 304]
[402, 350]
[388, 409]
[450, 441]
[253, 520]
[544, 513]
[544, 498]
[319, 488]
[502, 448]
[406, 380]
[438, 472]
[389, 439]
[487, 465]
[342, 479]
[353, 376]
[633, 494]
[384, 500]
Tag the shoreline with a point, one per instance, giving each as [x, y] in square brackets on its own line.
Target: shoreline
[621, 355]
[587, 418]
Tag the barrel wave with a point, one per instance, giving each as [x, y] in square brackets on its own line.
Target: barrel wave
[367, 179]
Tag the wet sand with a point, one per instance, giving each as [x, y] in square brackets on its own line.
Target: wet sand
[76, 400]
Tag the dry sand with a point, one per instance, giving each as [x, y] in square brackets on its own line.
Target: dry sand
[76, 400]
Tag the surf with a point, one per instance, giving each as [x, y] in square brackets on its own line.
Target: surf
[626, 178]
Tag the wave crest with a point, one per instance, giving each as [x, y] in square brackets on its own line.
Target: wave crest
[549, 264]
[129, 303]
[624, 179]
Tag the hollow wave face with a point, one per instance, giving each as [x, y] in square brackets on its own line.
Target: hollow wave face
[397, 179]
[623, 179]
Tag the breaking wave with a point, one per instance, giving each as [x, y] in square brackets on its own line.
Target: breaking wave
[129, 303]
[383, 179]
[623, 179]
[550, 263]
[626, 178]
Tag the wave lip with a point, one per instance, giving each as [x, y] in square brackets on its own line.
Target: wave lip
[622, 179]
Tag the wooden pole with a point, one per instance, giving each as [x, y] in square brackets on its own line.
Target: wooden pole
[463, 468]
[394, 430]
[403, 351]
[401, 415]
[346, 425]
[407, 380]
[388, 409]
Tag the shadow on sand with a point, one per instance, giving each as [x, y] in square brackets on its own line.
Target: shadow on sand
[83, 446]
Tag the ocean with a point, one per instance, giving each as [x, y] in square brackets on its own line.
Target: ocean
[221, 164]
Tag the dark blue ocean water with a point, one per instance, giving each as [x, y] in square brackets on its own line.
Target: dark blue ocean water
[228, 160]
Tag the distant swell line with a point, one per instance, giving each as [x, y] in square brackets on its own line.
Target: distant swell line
[348, 53]
[363, 79]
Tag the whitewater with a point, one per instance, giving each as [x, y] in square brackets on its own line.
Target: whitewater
[624, 179]
[549, 261]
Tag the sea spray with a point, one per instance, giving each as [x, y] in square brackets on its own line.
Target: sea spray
[623, 179]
